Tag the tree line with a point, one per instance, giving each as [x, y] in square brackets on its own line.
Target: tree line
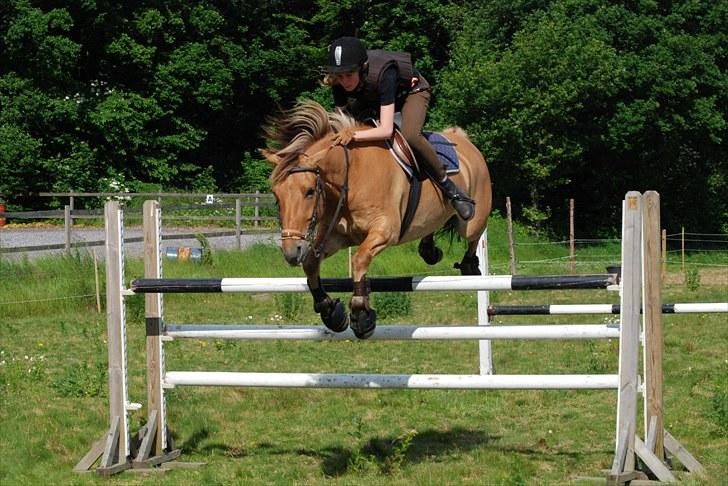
[581, 99]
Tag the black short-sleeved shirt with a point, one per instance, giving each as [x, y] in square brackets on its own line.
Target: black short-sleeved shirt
[387, 89]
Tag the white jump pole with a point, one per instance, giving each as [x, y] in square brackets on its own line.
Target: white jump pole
[388, 333]
[449, 382]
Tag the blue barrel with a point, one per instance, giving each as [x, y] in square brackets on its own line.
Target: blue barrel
[184, 254]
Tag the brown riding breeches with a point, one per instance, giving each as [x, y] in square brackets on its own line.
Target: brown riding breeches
[414, 112]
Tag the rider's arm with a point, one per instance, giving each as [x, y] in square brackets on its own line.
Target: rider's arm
[387, 90]
[383, 131]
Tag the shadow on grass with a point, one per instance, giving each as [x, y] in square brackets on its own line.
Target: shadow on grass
[386, 454]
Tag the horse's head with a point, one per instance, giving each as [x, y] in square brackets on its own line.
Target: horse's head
[299, 178]
[301, 197]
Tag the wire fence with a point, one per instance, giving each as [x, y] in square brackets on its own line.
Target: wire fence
[681, 249]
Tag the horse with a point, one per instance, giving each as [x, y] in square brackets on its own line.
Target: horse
[332, 197]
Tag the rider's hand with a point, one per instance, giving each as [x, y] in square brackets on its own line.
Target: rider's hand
[344, 137]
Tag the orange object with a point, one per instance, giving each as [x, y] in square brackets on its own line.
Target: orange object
[2, 217]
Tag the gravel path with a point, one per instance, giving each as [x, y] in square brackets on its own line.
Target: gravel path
[13, 240]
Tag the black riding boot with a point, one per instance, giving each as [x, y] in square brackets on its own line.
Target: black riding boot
[463, 205]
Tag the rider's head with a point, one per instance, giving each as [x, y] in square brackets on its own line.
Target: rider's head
[347, 59]
[346, 54]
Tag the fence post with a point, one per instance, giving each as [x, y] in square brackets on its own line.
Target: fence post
[257, 209]
[511, 250]
[629, 330]
[67, 223]
[682, 252]
[571, 235]
[652, 318]
[664, 255]
[153, 313]
[237, 222]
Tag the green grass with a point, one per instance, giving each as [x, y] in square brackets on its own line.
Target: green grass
[53, 392]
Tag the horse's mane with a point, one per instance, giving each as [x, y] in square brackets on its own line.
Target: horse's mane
[294, 130]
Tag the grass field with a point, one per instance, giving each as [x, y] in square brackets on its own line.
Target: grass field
[53, 395]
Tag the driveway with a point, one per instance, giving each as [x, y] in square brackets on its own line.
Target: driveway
[15, 240]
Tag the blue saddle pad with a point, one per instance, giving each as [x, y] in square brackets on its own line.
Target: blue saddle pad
[445, 151]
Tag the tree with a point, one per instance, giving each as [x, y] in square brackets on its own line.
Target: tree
[586, 99]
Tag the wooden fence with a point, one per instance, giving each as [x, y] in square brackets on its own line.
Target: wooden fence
[69, 213]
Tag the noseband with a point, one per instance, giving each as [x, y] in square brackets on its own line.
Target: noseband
[320, 194]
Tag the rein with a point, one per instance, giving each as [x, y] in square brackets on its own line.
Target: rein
[320, 195]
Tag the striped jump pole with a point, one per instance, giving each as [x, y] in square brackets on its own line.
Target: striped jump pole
[554, 309]
[383, 284]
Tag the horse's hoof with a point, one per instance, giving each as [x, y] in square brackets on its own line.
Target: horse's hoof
[468, 266]
[363, 323]
[335, 317]
[431, 255]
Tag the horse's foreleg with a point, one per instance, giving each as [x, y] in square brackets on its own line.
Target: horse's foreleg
[333, 314]
[363, 317]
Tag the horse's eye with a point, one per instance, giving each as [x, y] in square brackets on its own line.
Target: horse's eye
[310, 192]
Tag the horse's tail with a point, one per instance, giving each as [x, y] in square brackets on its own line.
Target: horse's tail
[457, 131]
[450, 229]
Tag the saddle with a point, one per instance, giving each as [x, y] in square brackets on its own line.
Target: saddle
[402, 153]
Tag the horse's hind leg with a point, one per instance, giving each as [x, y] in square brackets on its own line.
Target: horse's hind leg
[430, 253]
[470, 264]
[333, 313]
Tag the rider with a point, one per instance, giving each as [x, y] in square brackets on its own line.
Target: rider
[382, 82]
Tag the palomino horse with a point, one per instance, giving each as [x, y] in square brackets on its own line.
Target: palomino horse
[332, 197]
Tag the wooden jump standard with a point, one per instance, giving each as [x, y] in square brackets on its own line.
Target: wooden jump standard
[153, 445]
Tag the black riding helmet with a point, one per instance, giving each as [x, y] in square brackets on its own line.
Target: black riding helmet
[346, 54]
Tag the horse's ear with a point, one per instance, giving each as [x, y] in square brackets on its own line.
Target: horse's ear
[270, 156]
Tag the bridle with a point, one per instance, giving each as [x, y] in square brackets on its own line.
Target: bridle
[320, 195]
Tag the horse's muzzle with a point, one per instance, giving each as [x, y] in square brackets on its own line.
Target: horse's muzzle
[295, 251]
